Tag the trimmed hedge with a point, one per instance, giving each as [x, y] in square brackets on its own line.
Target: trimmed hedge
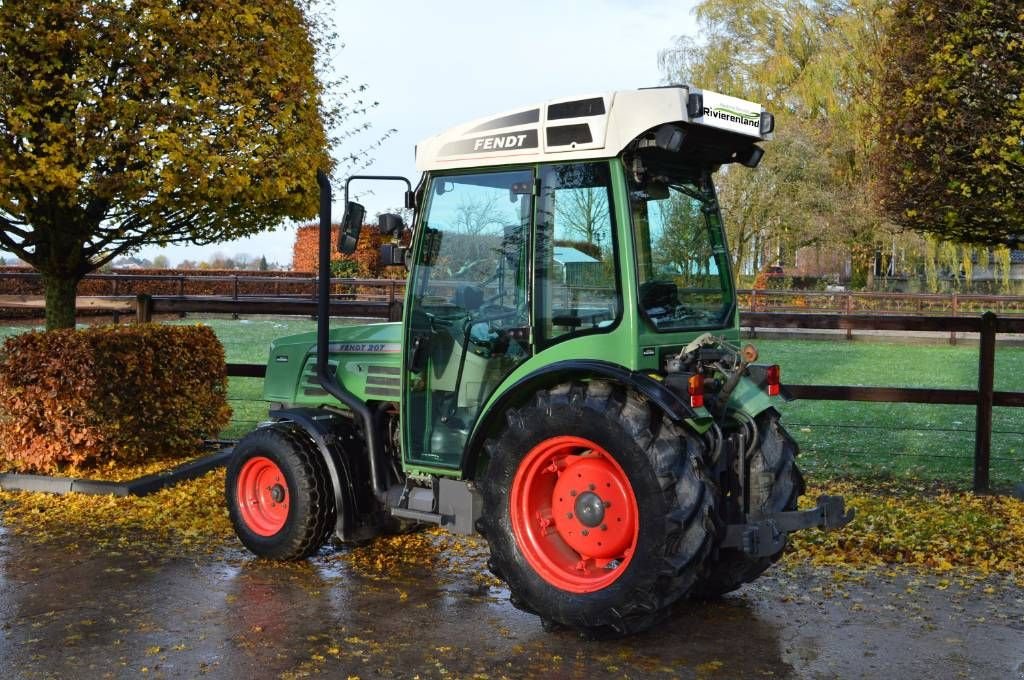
[99, 283]
[109, 393]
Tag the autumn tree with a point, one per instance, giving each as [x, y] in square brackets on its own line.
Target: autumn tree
[813, 63]
[475, 215]
[787, 203]
[682, 247]
[951, 151]
[133, 122]
[582, 214]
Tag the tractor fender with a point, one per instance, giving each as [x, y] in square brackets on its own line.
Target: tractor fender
[561, 371]
[322, 428]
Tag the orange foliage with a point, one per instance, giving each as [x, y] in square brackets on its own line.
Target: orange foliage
[124, 393]
[306, 251]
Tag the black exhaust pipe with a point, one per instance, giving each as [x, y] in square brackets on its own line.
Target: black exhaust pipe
[328, 380]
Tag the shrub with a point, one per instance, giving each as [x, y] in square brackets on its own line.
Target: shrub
[109, 393]
[306, 251]
[201, 282]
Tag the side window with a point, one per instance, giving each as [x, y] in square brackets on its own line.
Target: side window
[577, 283]
[682, 265]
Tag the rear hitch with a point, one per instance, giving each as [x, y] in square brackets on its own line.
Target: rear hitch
[766, 535]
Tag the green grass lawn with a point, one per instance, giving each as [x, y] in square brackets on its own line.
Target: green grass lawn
[246, 341]
[860, 438]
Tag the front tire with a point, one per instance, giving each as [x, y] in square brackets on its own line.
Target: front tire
[277, 494]
[633, 538]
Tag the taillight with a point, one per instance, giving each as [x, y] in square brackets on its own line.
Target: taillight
[773, 379]
[695, 386]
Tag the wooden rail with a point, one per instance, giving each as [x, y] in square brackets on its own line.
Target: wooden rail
[843, 302]
[867, 302]
[117, 305]
[148, 305]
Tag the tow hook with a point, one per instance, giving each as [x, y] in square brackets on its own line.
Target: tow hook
[766, 534]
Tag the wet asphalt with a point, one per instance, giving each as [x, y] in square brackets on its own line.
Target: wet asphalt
[145, 612]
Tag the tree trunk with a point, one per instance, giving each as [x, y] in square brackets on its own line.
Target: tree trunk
[60, 301]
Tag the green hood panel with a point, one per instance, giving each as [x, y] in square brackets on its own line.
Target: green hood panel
[370, 357]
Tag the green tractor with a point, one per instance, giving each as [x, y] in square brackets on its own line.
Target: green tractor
[566, 378]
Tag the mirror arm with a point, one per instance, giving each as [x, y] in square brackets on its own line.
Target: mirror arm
[390, 178]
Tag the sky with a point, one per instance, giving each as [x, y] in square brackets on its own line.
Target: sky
[433, 65]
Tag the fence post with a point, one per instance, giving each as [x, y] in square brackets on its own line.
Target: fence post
[952, 334]
[181, 292]
[983, 417]
[116, 315]
[143, 308]
[849, 309]
[315, 295]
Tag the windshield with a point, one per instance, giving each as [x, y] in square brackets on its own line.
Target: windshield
[682, 263]
[474, 244]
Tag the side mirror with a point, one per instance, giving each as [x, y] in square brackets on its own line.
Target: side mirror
[390, 225]
[669, 138]
[351, 225]
[750, 156]
[392, 255]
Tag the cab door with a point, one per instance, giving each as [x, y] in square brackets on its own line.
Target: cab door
[468, 317]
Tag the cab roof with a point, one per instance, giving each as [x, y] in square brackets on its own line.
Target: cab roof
[596, 126]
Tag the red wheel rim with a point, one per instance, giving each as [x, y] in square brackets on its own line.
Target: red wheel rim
[574, 514]
[262, 496]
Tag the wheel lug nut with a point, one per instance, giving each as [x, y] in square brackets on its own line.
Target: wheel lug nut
[568, 515]
[585, 532]
[593, 487]
[607, 504]
[572, 492]
[604, 527]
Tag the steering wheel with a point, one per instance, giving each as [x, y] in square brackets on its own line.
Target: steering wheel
[482, 333]
[490, 313]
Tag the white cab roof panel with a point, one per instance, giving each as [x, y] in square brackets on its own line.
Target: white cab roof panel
[592, 126]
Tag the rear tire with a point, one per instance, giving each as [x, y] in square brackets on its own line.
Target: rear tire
[278, 495]
[647, 545]
[775, 486]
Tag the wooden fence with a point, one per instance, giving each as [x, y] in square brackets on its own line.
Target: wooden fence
[277, 284]
[27, 285]
[984, 398]
[849, 302]
[988, 325]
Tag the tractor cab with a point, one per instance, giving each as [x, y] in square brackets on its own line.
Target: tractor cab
[576, 229]
[566, 378]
